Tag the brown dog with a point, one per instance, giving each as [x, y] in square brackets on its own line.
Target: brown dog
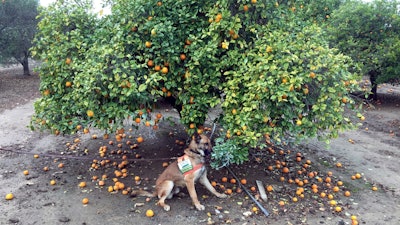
[184, 172]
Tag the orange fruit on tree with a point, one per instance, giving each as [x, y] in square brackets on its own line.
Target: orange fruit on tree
[245, 8]
[224, 179]
[90, 113]
[157, 68]
[68, 84]
[182, 56]
[150, 63]
[137, 120]
[147, 44]
[312, 75]
[228, 191]
[254, 1]
[159, 115]
[68, 61]
[243, 181]
[233, 181]
[164, 70]
[192, 126]
[270, 188]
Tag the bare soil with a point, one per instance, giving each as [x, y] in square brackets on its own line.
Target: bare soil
[373, 150]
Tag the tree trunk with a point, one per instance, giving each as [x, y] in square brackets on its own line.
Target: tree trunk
[25, 64]
[374, 86]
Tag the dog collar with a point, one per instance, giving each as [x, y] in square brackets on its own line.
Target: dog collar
[186, 167]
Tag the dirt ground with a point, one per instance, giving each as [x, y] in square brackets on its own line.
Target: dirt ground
[373, 151]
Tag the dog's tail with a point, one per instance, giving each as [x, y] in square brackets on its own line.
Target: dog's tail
[142, 193]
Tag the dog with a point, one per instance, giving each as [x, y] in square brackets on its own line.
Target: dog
[184, 172]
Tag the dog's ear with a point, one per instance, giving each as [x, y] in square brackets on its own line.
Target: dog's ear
[196, 137]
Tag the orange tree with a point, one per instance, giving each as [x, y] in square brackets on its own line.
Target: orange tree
[265, 64]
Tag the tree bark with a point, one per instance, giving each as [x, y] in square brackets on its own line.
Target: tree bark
[25, 64]
[374, 86]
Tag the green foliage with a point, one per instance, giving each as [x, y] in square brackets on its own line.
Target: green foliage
[368, 32]
[265, 64]
[17, 29]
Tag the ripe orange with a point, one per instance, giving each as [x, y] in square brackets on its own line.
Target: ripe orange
[159, 115]
[149, 213]
[270, 188]
[374, 188]
[335, 189]
[137, 178]
[233, 181]
[182, 56]
[323, 194]
[68, 61]
[157, 68]
[9, 196]
[312, 75]
[68, 84]
[52, 182]
[150, 63]
[224, 179]
[281, 203]
[358, 175]
[254, 1]
[213, 183]
[245, 8]
[85, 201]
[295, 199]
[164, 70]
[253, 189]
[347, 193]
[90, 113]
[82, 184]
[243, 181]
[102, 183]
[192, 126]
[139, 139]
[338, 209]
[285, 170]
[137, 120]
[147, 44]
[26, 172]
[45, 168]
[338, 164]
[228, 191]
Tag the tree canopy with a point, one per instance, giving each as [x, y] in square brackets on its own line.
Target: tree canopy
[267, 65]
[17, 29]
[370, 34]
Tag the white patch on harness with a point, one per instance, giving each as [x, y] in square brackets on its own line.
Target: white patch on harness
[185, 165]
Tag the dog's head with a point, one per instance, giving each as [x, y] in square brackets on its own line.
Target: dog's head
[200, 144]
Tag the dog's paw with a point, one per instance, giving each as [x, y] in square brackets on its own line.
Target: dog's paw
[167, 207]
[220, 195]
[200, 207]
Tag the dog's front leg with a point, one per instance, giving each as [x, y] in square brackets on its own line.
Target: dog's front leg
[192, 192]
[204, 181]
